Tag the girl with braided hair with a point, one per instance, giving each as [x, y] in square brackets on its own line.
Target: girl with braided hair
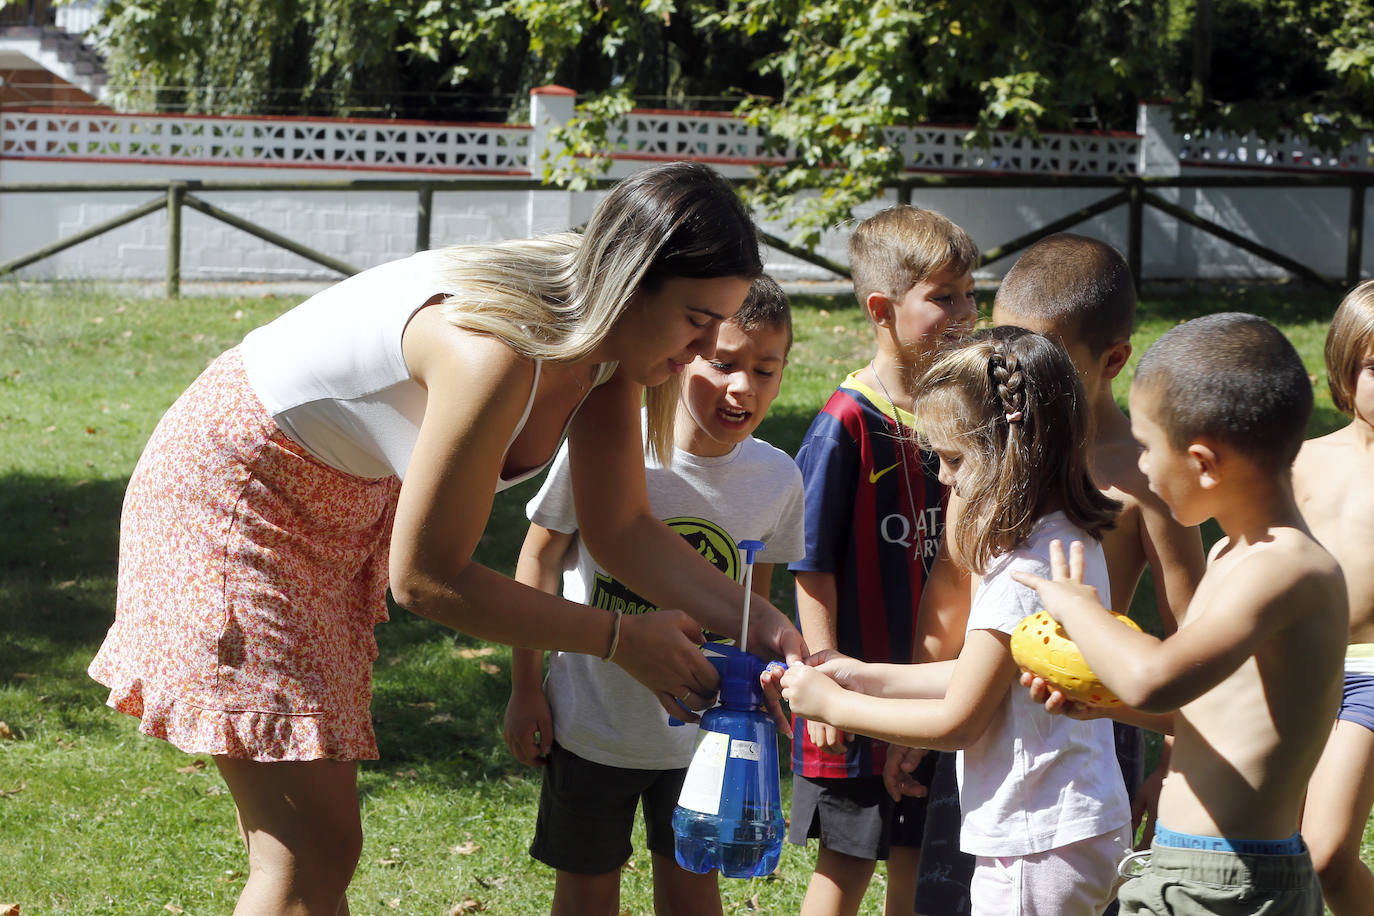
[1045, 812]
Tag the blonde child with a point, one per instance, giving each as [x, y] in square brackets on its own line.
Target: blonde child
[1250, 682]
[1045, 812]
[605, 742]
[874, 514]
[1331, 483]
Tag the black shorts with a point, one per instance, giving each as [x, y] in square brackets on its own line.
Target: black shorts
[587, 813]
[855, 817]
[942, 885]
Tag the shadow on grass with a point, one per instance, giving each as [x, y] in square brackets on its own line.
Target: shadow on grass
[1281, 304]
[57, 569]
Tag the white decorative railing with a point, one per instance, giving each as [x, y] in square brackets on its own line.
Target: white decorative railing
[287, 142]
[78, 16]
[647, 134]
[1287, 152]
[928, 148]
[676, 135]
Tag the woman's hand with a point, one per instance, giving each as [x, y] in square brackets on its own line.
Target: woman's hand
[662, 650]
[772, 635]
[528, 726]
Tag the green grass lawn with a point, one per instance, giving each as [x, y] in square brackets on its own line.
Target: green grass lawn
[97, 819]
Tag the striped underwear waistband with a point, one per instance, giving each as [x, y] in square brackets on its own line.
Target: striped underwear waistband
[1291, 846]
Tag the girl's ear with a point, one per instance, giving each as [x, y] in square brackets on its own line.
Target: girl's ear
[879, 307]
[1207, 463]
[1114, 360]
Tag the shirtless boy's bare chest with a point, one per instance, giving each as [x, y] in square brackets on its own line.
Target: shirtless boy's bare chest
[1337, 503]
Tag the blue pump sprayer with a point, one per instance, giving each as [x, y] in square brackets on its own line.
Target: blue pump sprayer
[729, 814]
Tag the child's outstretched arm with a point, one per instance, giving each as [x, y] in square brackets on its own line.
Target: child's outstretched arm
[528, 725]
[1160, 676]
[977, 685]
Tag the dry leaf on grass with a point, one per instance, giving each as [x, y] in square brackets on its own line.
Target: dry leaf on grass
[489, 668]
[7, 793]
[195, 766]
[464, 849]
[6, 731]
[394, 903]
[475, 653]
[173, 908]
[468, 905]
[9, 909]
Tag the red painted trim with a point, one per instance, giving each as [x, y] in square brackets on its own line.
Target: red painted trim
[715, 160]
[1285, 169]
[746, 161]
[211, 163]
[683, 112]
[399, 122]
[552, 89]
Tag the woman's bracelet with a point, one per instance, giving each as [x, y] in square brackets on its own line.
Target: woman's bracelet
[615, 638]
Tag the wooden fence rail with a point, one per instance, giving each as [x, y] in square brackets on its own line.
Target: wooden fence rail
[1131, 191]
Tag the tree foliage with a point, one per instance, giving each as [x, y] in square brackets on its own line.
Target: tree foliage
[821, 78]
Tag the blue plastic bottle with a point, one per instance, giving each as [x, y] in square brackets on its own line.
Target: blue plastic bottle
[729, 815]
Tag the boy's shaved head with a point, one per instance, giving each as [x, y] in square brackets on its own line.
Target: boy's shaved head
[1233, 378]
[1080, 285]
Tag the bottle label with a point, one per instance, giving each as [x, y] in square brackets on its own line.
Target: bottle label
[745, 750]
[706, 775]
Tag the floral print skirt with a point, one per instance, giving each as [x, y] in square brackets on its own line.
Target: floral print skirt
[251, 576]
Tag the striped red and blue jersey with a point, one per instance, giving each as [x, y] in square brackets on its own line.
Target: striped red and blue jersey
[874, 517]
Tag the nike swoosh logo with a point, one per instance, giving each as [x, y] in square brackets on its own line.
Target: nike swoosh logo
[874, 475]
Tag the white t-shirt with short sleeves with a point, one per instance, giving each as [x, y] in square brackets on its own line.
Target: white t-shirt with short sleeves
[1036, 781]
[755, 493]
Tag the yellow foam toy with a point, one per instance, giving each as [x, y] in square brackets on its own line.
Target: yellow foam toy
[1040, 645]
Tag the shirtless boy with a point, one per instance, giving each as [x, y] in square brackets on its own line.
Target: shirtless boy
[1250, 682]
[1331, 482]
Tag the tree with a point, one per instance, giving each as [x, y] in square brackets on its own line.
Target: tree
[821, 78]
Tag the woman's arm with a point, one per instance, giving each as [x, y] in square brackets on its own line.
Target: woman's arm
[477, 390]
[617, 525]
[978, 686]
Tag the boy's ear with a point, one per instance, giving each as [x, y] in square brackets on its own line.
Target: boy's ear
[1115, 359]
[1207, 462]
[879, 308]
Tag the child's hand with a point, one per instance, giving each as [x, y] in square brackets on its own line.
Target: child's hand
[842, 669]
[770, 679]
[528, 727]
[827, 737]
[901, 762]
[1066, 586]
[1041, 691]
[809, 691]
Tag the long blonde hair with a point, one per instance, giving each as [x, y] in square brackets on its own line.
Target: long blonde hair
[558, 297]
[1012, 403]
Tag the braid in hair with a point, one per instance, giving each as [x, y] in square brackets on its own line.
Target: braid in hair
[1008, 381]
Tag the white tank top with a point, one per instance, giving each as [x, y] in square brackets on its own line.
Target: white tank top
[332, 375]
